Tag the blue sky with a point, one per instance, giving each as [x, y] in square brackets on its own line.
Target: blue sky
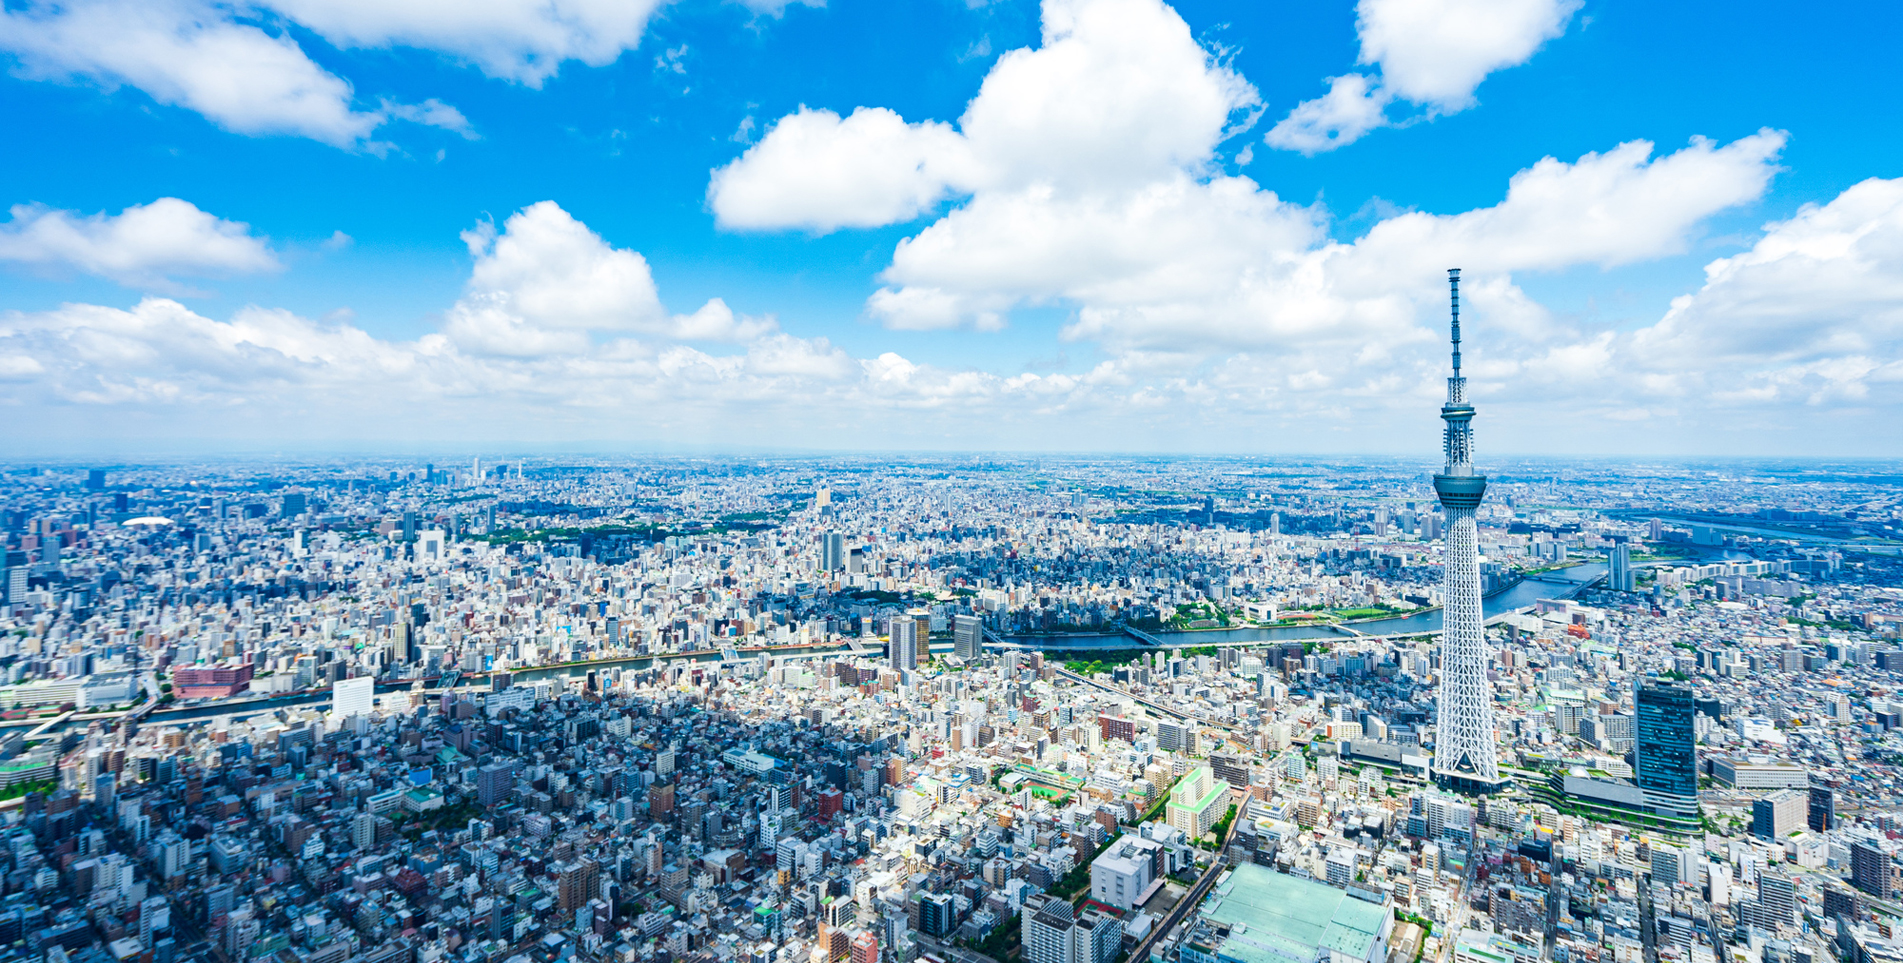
[1151, 231]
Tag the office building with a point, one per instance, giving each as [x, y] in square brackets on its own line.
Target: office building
[1232, 768]
[172, 854]
[1779, 814]
[1620, 577]
[352, 697]
[16, 573]
[1758, 773]
[968, 637]
[402, 647]
[1666, 748]
[575, 883]
[1175, 736]
[494, 782]
[155, 919]
[1778, 897]
[1870, 868]
[937, 914]
[1840, 904]
[211, 681]
[1051, 932]
[1672, 865]
[832, 552]
[903, 644]
[219, 901]
[1822, 811]
[1121, 875]
[1464, 754]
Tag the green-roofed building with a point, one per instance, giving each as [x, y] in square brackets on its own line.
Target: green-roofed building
[1197, 802]
[1257, 915]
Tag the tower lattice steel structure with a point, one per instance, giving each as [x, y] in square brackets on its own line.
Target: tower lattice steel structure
[1464, 752]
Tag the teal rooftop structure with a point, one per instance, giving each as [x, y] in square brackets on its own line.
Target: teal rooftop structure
[1259, 915]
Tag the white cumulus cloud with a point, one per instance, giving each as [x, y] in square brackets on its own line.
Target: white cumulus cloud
[1812, 312]
[1433, 53]
[1208, 289]
[187, 54]
[1437, 51]
[236, 64]
[159, 372]
[545, 281]
[143, 246]
[818, 171]
[1605, 209]
[1157, 251]
[507, 39]
[1794, 344]
[1117, 94]
[1354, 105]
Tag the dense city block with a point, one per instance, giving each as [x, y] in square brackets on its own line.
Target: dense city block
[1030, 710]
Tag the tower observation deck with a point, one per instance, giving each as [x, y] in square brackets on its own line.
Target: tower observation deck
[1465, 757]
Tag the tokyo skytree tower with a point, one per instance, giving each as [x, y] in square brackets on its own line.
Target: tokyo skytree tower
[1464, 753]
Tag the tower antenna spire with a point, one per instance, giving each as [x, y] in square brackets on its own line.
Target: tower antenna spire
[1453, 283]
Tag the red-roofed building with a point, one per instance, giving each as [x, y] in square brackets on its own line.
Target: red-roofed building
[211, 681]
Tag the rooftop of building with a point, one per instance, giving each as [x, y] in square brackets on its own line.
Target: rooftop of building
[1273, 916]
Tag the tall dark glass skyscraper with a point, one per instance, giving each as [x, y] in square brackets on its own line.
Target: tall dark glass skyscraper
[1667, 748]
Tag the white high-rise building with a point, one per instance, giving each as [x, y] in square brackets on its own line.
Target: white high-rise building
[351, 697]
[1051, 932]
[1465, 757]
[770, 820]
[904, 644]
[155, 917]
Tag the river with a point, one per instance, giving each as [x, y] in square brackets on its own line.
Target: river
[1518, 597]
